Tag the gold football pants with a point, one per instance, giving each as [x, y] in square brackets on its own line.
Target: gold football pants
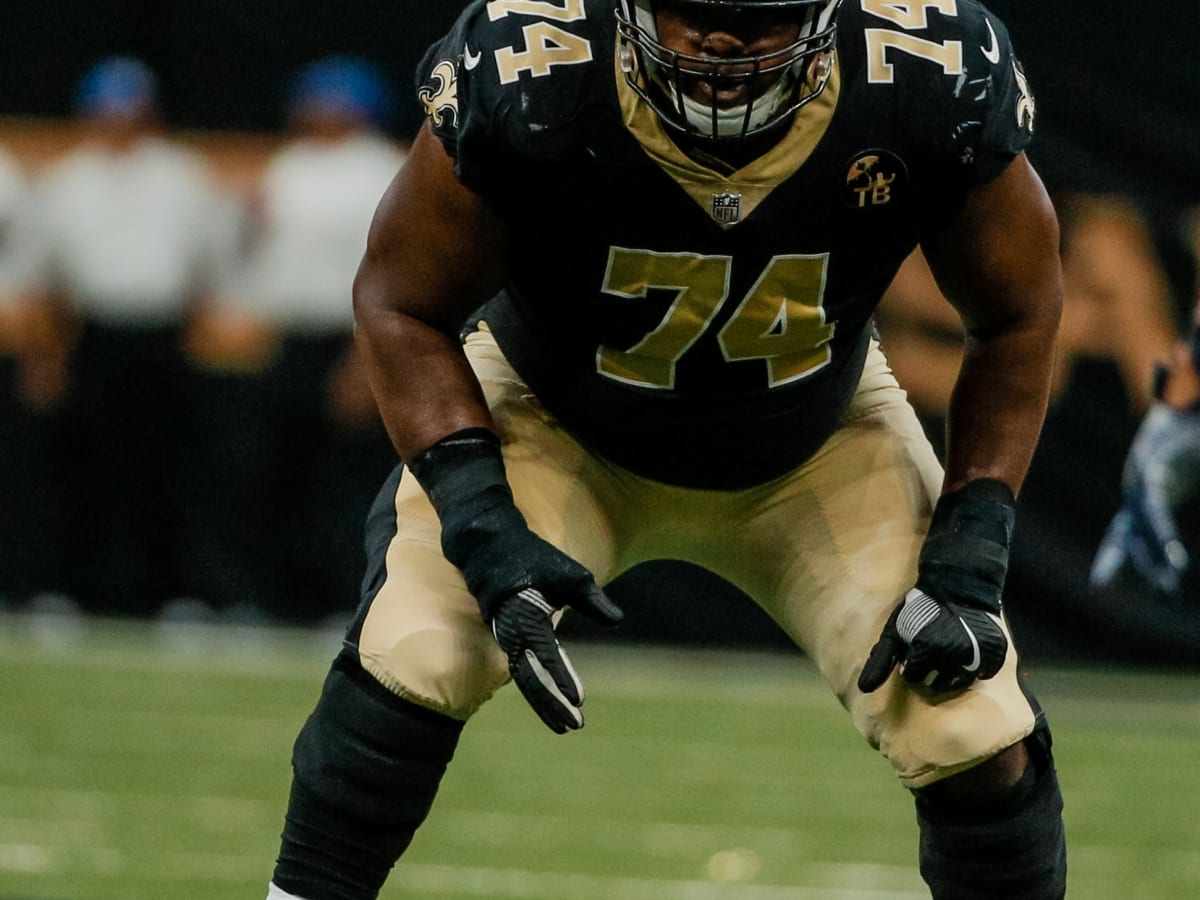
[827, 550]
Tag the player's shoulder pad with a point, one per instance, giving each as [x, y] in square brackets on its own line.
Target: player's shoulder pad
[953, 68]
[517, 71]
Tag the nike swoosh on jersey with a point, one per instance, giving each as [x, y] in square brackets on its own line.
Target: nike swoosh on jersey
[974, 664]
[470, 62]
[991, 53]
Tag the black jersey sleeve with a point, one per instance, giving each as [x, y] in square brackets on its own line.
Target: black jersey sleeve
[993, 107]
[948, 79]
[510, 79]
[442, 88]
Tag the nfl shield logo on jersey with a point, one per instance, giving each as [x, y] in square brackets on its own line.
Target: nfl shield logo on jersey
[726, 208]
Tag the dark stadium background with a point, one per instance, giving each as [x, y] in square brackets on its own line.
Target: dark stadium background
[1118, 84]
[1118, 92]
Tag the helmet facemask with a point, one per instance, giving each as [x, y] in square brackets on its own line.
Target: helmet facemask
[686, 90]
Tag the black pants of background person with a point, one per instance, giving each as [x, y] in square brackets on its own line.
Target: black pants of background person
[278, 489]
[123, 420]
[32, 495]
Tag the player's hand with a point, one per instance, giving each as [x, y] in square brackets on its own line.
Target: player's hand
[518, 579]
[939, 644]
[947, 632]
[521, 581]
[1161, 471]
[524, 629]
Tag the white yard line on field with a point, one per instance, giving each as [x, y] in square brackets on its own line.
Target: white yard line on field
[430, 880]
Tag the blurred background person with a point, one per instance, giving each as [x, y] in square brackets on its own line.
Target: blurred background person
[1154, 536]
[32, 383]
[291, 432]
[136, 234]
[1119, 318]
[1117, 311]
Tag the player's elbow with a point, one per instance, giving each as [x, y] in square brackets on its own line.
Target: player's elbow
[377, 295]
[365, 294]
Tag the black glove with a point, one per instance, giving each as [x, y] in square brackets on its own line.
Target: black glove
[524, 629]
[518, 579]
[947, 632]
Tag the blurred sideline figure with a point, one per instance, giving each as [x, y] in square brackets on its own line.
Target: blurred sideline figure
[1119, 317]
[292, 430]
[1116, 308]
[1161, 472]
[136, 236]
[1118, 320]
[32, 372]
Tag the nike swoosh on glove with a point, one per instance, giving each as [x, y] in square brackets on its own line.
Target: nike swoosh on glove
[939, 644]
[947, 632]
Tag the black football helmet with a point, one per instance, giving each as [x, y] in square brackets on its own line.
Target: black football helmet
[780, 83]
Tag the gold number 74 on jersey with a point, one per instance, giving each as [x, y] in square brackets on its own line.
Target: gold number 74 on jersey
[546, 45]
[780, 320]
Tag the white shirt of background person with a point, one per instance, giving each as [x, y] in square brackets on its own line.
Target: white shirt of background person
[137, 234]
[20, 248]
[315, 205]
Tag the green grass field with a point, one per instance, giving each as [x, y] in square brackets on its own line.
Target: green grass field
[151, 763]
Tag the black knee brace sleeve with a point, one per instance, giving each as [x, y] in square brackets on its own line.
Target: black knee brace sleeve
[1007, 847]
[366, 767]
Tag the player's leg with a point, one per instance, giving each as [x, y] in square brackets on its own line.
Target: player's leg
[996, 830]
[368, 762]
[853, 520]
[418, 660]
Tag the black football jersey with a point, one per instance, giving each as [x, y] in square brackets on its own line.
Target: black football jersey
[701, 328]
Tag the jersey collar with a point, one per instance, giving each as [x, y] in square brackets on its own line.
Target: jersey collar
[750, 184]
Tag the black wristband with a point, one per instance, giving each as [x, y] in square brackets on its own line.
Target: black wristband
[965, 554]
[463, 475]
[459, 467]
[483, 532]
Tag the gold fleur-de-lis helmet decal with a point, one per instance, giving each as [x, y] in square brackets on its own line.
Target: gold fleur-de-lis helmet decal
[440, 95]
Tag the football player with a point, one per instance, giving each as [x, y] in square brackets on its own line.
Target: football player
[685, 214]
[1161, 473]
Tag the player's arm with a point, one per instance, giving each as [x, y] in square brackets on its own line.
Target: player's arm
[997, 262]
[434, 254]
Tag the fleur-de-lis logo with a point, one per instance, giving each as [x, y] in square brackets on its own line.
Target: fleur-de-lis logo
[1026, 108]
[440, 95]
